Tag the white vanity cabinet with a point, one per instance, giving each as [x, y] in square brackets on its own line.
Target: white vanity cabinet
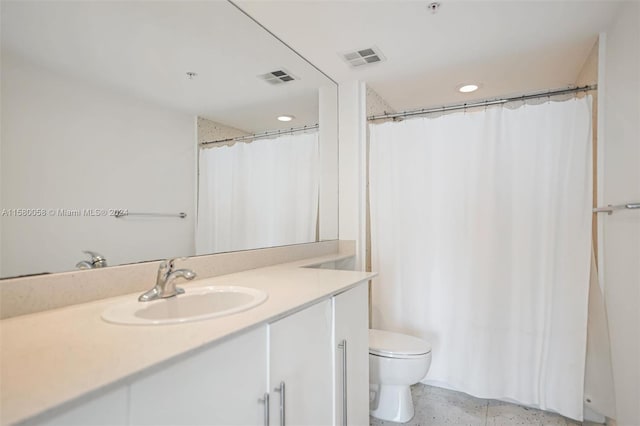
[109, 408]
[351, 343]
[225, 384]
[218, 385]
[308, 352]
[298, 360]
[301, 367]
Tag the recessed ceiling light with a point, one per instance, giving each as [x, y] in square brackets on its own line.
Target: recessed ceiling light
[468, 88]
[286, 117]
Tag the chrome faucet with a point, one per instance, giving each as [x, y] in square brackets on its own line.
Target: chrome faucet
[165, 281]
[97, 261]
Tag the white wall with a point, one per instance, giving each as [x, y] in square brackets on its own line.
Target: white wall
[621, 184]
[328, 134]
[71, 145]
[352, 166]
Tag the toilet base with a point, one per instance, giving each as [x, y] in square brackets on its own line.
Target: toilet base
[392, 403]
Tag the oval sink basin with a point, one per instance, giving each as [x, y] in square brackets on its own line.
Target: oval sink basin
[194, 305]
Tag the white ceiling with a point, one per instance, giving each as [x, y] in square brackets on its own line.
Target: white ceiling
[145, 48]
[509, 47]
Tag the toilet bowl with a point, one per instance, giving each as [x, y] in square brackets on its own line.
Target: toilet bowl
[396, 361]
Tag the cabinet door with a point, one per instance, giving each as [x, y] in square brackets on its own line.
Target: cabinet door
[105, 408]
[351, 319]
[219, 385]
[301, 357]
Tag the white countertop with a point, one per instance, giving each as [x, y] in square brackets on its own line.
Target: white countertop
[51, 357]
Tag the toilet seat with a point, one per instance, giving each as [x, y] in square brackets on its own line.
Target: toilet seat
[395, 345]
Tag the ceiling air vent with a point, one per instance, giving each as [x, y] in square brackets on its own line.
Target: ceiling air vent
[278, 77]
[362, 57]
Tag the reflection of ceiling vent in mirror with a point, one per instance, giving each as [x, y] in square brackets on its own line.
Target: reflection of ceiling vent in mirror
[278, 77]
[361, 57]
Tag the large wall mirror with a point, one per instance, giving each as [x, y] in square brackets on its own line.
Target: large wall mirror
[149, 130]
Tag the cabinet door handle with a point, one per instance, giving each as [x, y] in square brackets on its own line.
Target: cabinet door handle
[265, 400]
[343, 346]
[281, 390]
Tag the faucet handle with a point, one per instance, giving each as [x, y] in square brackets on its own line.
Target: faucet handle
[95, 257]
[170, 263]
[97, 260]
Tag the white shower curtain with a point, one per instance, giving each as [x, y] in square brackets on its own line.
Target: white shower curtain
[480, 232]
[258, 194]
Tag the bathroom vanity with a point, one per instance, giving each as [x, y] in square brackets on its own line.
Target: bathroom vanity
[301, 357]
[104, 103]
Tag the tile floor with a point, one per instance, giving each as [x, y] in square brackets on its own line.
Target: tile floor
[436, 406]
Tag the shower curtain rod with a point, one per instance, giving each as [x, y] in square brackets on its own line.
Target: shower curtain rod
[483, 103]
[263, 135]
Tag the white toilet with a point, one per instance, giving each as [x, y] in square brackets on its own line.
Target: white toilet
[396, 361]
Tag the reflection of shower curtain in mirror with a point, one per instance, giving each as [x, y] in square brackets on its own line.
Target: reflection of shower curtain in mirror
[258, 194]
[481, 234]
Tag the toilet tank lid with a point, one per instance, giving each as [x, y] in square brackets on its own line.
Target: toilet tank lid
[383, 342]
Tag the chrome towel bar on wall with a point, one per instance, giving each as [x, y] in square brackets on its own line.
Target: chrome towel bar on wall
[181, 215]
[610, 209]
